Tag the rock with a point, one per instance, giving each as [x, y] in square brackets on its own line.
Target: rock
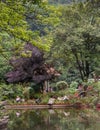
[63, 98]
[38, 100]
[18, 99]
[3, 123]
[3, 103]
[51, 101]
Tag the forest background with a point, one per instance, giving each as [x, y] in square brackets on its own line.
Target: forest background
[66, 31]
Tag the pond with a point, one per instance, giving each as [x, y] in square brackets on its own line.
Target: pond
[54, 119]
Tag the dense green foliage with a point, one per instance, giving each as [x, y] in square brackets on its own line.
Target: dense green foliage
[23, 21]
[67, 31]
[78, 38]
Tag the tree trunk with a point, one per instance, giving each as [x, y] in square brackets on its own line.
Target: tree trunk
[79, 66]
[87, 69]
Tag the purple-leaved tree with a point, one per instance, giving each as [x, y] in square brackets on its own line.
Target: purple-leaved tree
[32, 68]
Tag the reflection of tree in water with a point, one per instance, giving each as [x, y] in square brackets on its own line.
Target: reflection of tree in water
[53, 120]
[80, 120]
[27, 120]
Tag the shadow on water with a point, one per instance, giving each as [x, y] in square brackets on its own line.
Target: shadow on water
[54, 119]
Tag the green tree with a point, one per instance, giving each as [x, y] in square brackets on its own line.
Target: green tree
[26, 20]
[77, 40]
[22, 21]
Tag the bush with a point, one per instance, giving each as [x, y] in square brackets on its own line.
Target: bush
[61, 85]
[36, 88]
[45, 99]
[96, 87]
[10, 91]
[74, 84]
[71, 90]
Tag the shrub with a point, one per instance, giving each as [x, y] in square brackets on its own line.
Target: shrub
[10, 91]
[26, 92]
[61, 85]
[45, 99]
[74, 84]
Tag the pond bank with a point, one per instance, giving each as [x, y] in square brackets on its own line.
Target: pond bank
[36, 106]
[46, 106]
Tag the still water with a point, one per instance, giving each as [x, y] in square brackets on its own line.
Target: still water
[54, 119]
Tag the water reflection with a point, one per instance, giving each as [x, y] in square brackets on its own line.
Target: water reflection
[54, 119]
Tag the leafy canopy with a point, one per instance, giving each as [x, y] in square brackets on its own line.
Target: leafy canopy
[77, 40]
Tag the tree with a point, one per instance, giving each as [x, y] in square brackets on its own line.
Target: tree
[27, 20]
[77, 40]
[30, 66]
[12, 20]
[18, 24]
[13, 31]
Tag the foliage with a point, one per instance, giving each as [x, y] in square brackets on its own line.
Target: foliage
[5, 53]
[96, 86]
[45, 99]
[74, 84]
[24, 66]
[71, 32]
[26, 20]
[61, 85]
[12, 20]
[78, 38]
[3, 68]
[63, 1]
[22, 21]
[14, 30]
[10, 91]
[35, 90]
[30, 68]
